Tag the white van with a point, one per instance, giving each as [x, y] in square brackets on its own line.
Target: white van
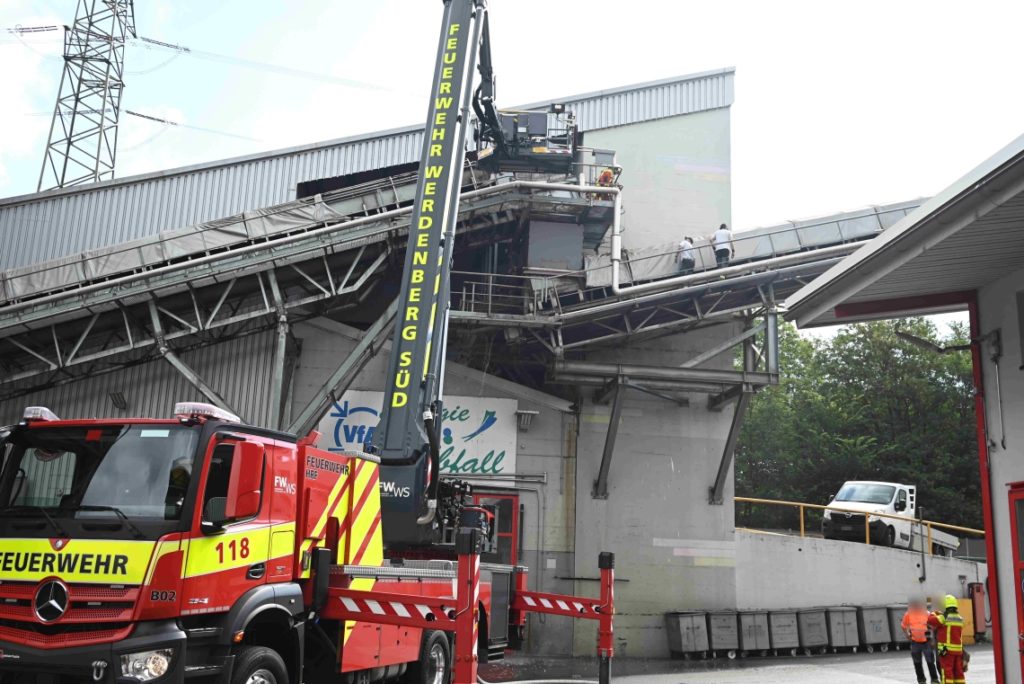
[844, 517]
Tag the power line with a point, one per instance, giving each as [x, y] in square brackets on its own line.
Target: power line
[153, 44]
[19, 29]
[167, 122]
[154, 119]
[252, 64]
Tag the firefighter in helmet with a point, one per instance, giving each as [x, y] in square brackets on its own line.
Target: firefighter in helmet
[177, 484]
[949, 627]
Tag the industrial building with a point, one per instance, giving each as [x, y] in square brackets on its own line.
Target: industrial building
[594, 400]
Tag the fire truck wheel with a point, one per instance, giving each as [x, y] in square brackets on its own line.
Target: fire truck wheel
[435, 663]
[258, 665]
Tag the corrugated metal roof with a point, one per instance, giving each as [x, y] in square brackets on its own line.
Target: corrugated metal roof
[965, 237]
[69, 221]
[240, 369]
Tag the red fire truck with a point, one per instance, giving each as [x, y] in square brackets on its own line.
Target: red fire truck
[142, 550]
[198, 547]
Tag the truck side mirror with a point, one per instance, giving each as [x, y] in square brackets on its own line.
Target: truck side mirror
[900, 506]
[831, 497]
[245, 482]
[321, 576]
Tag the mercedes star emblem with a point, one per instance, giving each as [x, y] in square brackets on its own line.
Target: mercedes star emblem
[51, 600]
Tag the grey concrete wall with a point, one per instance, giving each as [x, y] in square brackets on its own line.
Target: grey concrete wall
[674, 550]
[997, 310]
[676, 175]
[775, 572]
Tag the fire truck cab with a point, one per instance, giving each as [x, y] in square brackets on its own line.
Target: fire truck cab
[137, 550]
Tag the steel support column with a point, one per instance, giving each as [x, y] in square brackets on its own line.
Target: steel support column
[601, 483]
[277, 392]
[715, 492]
[724, 346]
[639, 373]
[743, 393]
[187, 371]
[771, 342]
[342, 377]
[277, 388]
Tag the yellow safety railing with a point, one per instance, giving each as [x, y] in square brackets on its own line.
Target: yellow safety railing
[802, 507]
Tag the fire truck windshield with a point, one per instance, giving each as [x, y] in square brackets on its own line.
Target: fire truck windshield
[109, 474]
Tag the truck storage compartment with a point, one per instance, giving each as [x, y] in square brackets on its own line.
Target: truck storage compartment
[785, 635]
[687, 633]
[842, 628]
[723, 633]
[899, 637]
[813, 629]
[873, 622]
[754, 632]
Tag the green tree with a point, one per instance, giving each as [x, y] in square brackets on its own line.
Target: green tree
[865, 404]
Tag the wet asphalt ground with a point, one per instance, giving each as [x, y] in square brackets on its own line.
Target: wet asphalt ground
[843, 668]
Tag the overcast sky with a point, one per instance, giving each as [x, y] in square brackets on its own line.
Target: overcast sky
[838, 105]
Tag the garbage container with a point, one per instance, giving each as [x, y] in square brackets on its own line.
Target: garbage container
[723, 633]
[842, 628]
[754, 632]
[785, 635]
[899, 637]
[813, 630]
[687, 633]
[873, 622]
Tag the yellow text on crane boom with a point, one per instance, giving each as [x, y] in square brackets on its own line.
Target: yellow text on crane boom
[430, 212]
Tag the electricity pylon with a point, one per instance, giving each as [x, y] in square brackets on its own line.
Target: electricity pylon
[82, 144]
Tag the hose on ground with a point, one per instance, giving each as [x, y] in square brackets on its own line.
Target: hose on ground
[481, 680]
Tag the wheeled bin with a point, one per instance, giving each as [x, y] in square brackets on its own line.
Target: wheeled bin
[812, 627]
[842, 628]
[873, 622]
[785, 635]
[723, 633]
[754, 636]
[899, 637]
[687, 634]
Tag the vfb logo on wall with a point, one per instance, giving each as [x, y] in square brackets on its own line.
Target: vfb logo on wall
[478, 434]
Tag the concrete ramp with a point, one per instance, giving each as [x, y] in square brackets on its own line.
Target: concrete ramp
[778, 571]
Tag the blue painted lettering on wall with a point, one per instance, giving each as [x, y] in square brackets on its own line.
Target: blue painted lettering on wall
[354, 426]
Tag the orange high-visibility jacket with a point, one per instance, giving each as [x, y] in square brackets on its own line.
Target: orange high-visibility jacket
[915, 621]
[949, 631]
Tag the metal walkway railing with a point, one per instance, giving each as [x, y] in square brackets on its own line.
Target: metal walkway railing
[802, 508]
[257, 227]
[554, 293]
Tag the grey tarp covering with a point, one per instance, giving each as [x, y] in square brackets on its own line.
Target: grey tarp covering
[646, 263]
[661, 261]
[194, 240]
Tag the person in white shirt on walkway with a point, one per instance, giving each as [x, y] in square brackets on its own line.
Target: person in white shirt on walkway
[722, 242]
[687, 258]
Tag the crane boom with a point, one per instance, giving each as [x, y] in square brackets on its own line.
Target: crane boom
[406, 439]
